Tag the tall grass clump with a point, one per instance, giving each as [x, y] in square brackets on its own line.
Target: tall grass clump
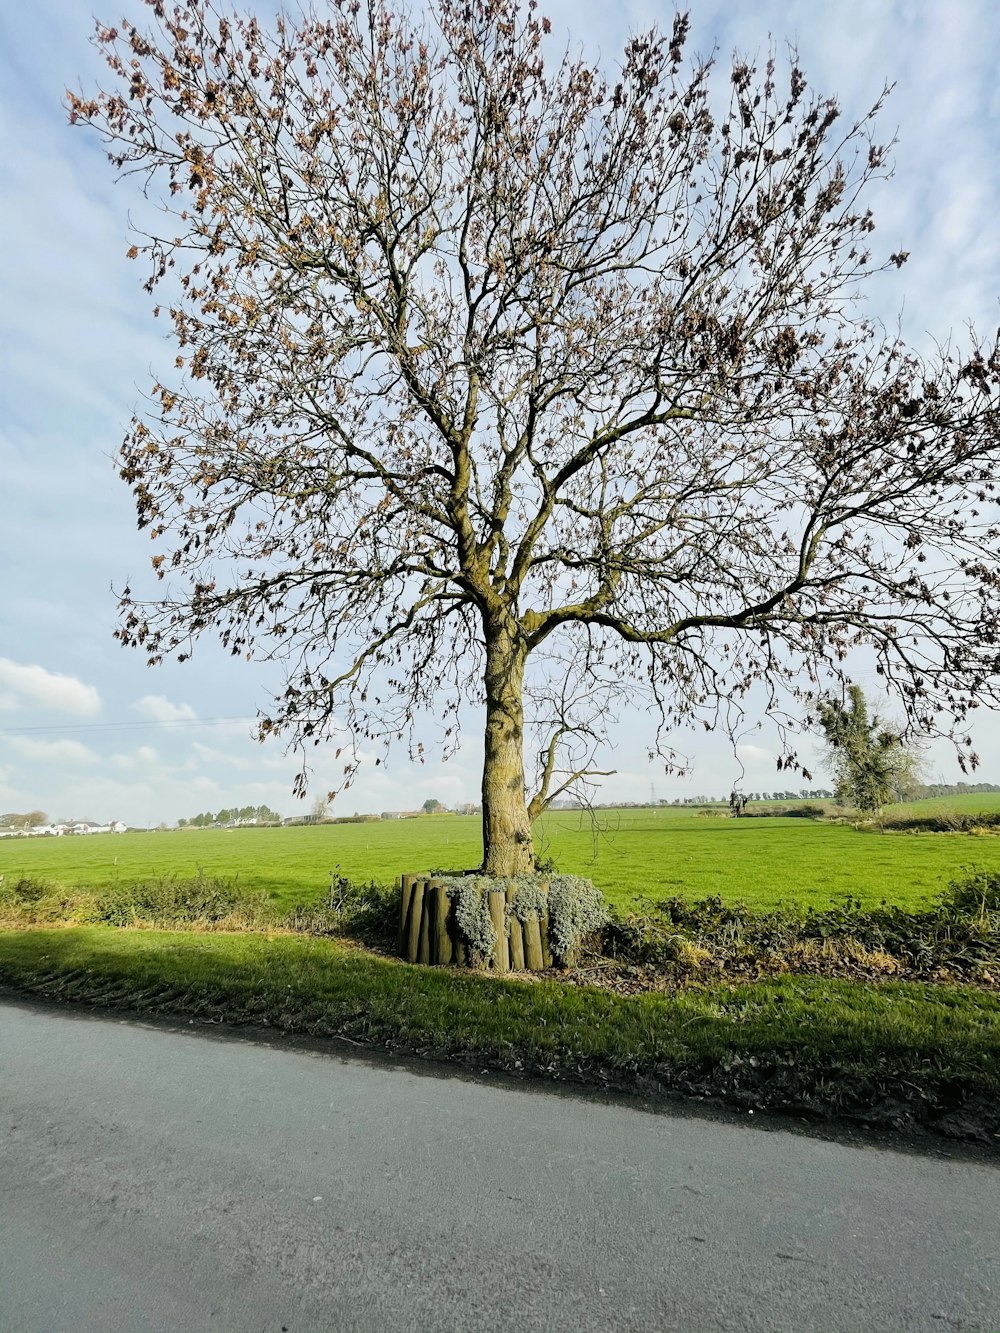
[956, 939]
[27, 901]
[976, 895]
[368, 913]
[204, 900]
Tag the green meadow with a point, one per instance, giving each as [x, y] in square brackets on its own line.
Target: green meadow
[629, 853]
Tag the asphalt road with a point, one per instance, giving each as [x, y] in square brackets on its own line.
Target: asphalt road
[159, 1179]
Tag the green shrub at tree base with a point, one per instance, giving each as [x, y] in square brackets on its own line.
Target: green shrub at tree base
[575, 909]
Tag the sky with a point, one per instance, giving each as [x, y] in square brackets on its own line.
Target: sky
[86, 729]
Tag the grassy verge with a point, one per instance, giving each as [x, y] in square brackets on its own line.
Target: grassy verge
[892, 1053]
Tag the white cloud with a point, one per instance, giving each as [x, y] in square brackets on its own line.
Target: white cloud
[145, 757]
[158, 708]
[755, 754]
[33, 684]
[250, 760]
[51, 752]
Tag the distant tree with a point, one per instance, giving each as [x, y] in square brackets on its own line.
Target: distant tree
[868, 758]
[431, 806]
[263, 814]
[320, 808]
[522, 384]
[953, 788]
[31, 819]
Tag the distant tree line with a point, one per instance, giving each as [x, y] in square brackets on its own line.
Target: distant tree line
[803, 794]
[928, 789]
[258, 814]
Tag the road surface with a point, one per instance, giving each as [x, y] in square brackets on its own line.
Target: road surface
[153, 1178]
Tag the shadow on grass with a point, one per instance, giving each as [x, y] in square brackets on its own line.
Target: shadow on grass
[892, 1053]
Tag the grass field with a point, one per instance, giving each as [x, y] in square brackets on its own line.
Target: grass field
[653, 853]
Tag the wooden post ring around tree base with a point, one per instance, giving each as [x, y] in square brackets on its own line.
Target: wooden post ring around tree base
[429, 932]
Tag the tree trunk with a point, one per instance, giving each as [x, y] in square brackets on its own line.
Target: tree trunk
[507, 846]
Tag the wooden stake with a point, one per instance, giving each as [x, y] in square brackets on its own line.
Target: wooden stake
[501, 954]
[424, 939]
[416, 914]
[516, 946]
[405, 903]
[515, 940]
[533, 944]
[440, 939]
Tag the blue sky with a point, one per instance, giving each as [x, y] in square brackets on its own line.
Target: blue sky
[86, 730]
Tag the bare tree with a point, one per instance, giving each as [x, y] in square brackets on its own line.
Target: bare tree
[483, 359]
